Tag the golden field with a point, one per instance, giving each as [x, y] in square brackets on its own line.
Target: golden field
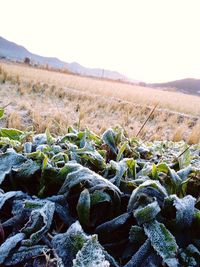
[43, 98]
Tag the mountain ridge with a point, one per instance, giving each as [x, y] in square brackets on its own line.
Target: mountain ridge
[186, 85]
[13, 51]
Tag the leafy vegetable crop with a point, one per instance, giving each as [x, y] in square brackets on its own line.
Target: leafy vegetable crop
[83, 200]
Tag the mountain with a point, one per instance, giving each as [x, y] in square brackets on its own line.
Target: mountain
[15, 52]
[188, 86]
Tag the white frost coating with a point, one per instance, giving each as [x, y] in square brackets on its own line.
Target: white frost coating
[9, 244]
[148, 183]
[46, 212]
[163, 242]
[91, 255]
[184, 209]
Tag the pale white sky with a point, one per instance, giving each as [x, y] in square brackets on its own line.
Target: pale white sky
[149, 40]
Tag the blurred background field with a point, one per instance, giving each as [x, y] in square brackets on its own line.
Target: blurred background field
[50, 99]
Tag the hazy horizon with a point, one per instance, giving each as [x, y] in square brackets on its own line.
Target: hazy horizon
[151, 41]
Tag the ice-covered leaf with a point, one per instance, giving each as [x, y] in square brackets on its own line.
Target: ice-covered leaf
[151, 188]
[183, 173]
[39, 223]
[147, 213]
[163, 242]
[184, 209]
[120, 168]
[83, 207]
[176, 180]
[94, 157]
[11, 195]
[115, 228]
[91, 255]
[9, 245]
[27, 169]
[39, 139]
[23, 254]
[141, 255]
[190, 256]
[69, 243]
[8, 161]
[78, 174]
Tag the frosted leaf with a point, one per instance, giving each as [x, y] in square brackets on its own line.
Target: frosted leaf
[77, 174]
[25, 253]
[91, 255]
[183, 173]
[115, 228]
[141, 255]
[147, 213]
[9, 160]
[8, 195]
[184, 209]
[69, 243]
[120, 168]
[156, 190]
[163, 242]
[9, 244]
[39, 223]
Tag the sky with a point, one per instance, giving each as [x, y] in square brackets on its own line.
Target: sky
[147, 40]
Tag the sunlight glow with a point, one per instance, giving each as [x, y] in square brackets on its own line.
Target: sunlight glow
[152, 41]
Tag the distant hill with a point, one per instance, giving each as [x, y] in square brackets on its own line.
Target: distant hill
[188, 86]
[15, 52]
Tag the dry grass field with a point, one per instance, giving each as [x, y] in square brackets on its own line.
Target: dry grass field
[42, 98]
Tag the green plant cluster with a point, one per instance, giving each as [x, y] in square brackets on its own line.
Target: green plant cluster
[85, 200]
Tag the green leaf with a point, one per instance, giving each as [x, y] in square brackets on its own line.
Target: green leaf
[50, 139]
[154, 172]
[131, 164]
[83, 207]
[185, 159]
[1, 113]
[99, 197]
[163, 242]
[121, 151]
[12, 134]
[91, 255]
[162, 167]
